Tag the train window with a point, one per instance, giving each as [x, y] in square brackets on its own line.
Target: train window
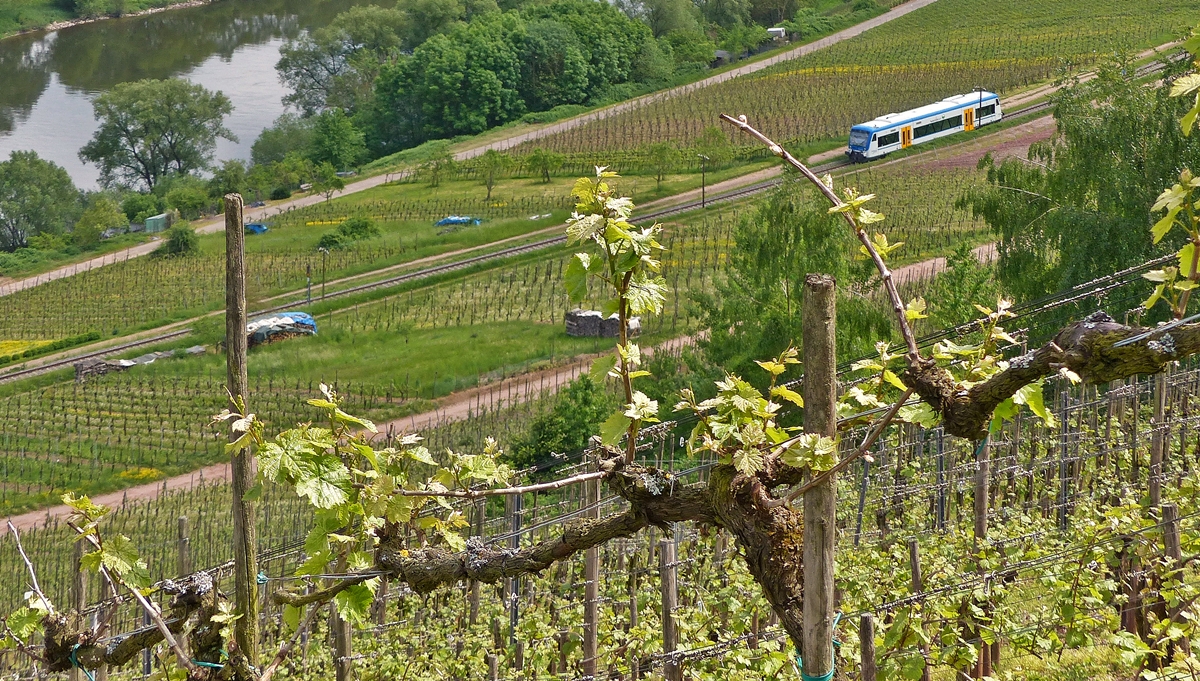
[892, 138]
[860, 138]
[982, 111]
[937, 126]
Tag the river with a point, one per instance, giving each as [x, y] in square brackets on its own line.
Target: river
[49, 79]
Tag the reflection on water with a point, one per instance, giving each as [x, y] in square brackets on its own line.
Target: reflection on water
[47, 81]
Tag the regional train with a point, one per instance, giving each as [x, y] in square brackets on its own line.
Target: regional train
[896, 131]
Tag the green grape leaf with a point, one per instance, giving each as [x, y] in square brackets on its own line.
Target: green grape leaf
[613, 428]
[601, 368]
[354, 603]
[575, 277]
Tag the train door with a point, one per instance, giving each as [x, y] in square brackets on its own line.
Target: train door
[905, 137]
[969, 119]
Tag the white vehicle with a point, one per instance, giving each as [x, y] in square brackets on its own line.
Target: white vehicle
[896, 131]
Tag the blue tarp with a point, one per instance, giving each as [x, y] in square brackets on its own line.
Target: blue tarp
[264, 329]
[457, 220]
[256, 228]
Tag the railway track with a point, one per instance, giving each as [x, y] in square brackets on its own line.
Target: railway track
[62, 363]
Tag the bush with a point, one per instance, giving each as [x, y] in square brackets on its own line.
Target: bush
[280, 193]
[60, 344]
[331, 241]
[181, 240]
[353, 229]
[356, 229]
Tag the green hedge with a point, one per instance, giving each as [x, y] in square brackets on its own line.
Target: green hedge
[61, 344]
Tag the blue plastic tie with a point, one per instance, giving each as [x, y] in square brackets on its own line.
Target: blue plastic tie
[75, 663]
[836, 644]
[262, 578]
[210, 665]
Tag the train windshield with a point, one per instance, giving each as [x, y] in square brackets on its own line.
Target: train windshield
[859, 138]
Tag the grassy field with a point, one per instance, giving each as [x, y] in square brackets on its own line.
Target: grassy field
[946, 48]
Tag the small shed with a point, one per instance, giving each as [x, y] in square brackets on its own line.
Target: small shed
[158, 223]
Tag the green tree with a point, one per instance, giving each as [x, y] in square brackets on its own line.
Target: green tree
[661, 158]
[150, 129]
[189, 199]
[336, 140]
[725, 13]
[491, 164]
[543, 162]
[102, 213]
[1079, 209]
[437, 166]
[611, 40]
[181, 241]
[337, 65]
[137, 207]
[554, 67]
[230, 178]
[756, 310]
[36, 196]
[713, 143]
[287, 135]
[691, 48]
[468, 80]
[581, 407]
[325, 181]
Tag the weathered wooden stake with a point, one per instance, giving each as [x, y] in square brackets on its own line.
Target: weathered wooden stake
[342, 651]
[245, 544]
[670, 598]
[78, 594]
[493, 667]
[820, 511]
[591, 605]
[918, 586]
[1158, 439]
[183, 559]
[866, 645]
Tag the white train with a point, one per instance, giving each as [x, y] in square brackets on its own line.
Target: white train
[896, 131]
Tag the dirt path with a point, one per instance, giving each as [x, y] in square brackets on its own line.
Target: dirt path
[147, 492]
[454, 407]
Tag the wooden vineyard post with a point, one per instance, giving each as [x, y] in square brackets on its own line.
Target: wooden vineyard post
[918, 586]
[820, 519]
[183, 559]
[672, 671]
[493, 664]
[1158, 439]
[245, 544]
[591, 587]
[342, 631]
[480, 509]
[78, 595]
[1174, 550]
[866, 645]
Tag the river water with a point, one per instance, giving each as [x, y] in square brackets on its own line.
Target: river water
[48, 80]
